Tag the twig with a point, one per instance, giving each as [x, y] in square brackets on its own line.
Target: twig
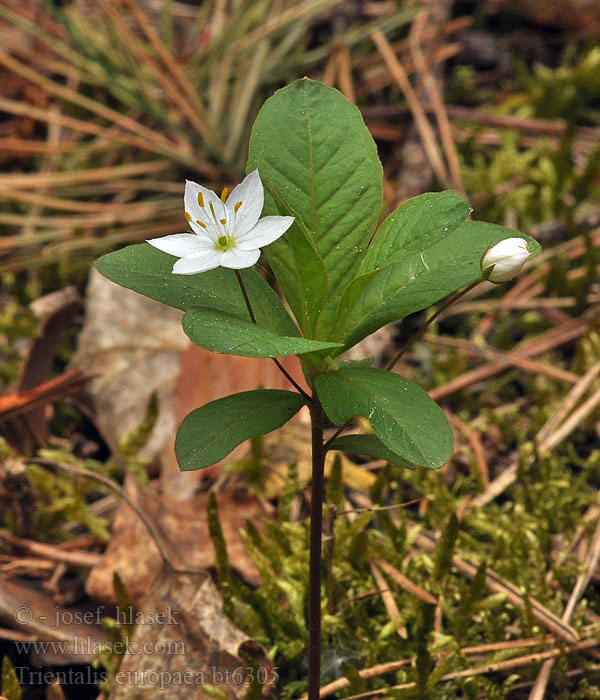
[550, 441]
[391, 666]
[406, 583]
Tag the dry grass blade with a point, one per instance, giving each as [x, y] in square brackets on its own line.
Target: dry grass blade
[300, 11]
[507, 665]
[406, 583]
[539, 687]
[87, 103]
[551, 437]
[475, 443]
[58, 179]
[568, 403]
[514, 359]
[388, 600]
[494, 582]
[566, 333]
[390, 667]
[425, 130]
[435, 96]
[195, 106]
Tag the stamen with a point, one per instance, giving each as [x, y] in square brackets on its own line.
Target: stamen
[224, 194]
[212, 208]
[201, 199]
[237, 206]
[200, 223]
[187, 216]
[223, 221]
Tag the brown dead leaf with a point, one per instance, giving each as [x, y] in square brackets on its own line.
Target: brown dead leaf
[206, 376]
[55, 312]
[132, 346]
[132, 553]
[190, 642]
[30, 610]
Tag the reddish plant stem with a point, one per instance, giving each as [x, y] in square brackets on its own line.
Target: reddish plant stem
[316, 526]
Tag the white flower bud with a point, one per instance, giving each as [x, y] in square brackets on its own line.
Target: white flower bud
[503, 261]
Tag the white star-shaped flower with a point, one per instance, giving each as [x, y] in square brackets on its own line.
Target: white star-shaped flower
[228, 230]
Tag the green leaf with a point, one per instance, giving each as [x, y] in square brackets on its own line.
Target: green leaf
[210, 432]
[149, 271]
[415, 226]
[371, 446]
[402, 415]
[313, 146]
[231, 334]
[305, 282]
[378, 297]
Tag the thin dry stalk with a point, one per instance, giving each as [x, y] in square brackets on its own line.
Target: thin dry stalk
[87, 127]
[391, 666]
[495, 583]
[61, 179]
[197, 106]
[52, 552]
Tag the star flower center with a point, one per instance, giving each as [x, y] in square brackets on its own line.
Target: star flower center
[224, 242]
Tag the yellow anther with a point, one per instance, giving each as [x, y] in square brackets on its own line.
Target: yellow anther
[237, 206]
[200, 223]
[187, 217]
[223, 221]
[201, 199]
[224, 194]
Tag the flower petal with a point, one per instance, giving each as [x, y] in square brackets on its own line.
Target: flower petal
[236, 258]
[195, 196]
[211, 232]
[267, 230]
[252, 197]
[179, 244]
[198, 262]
